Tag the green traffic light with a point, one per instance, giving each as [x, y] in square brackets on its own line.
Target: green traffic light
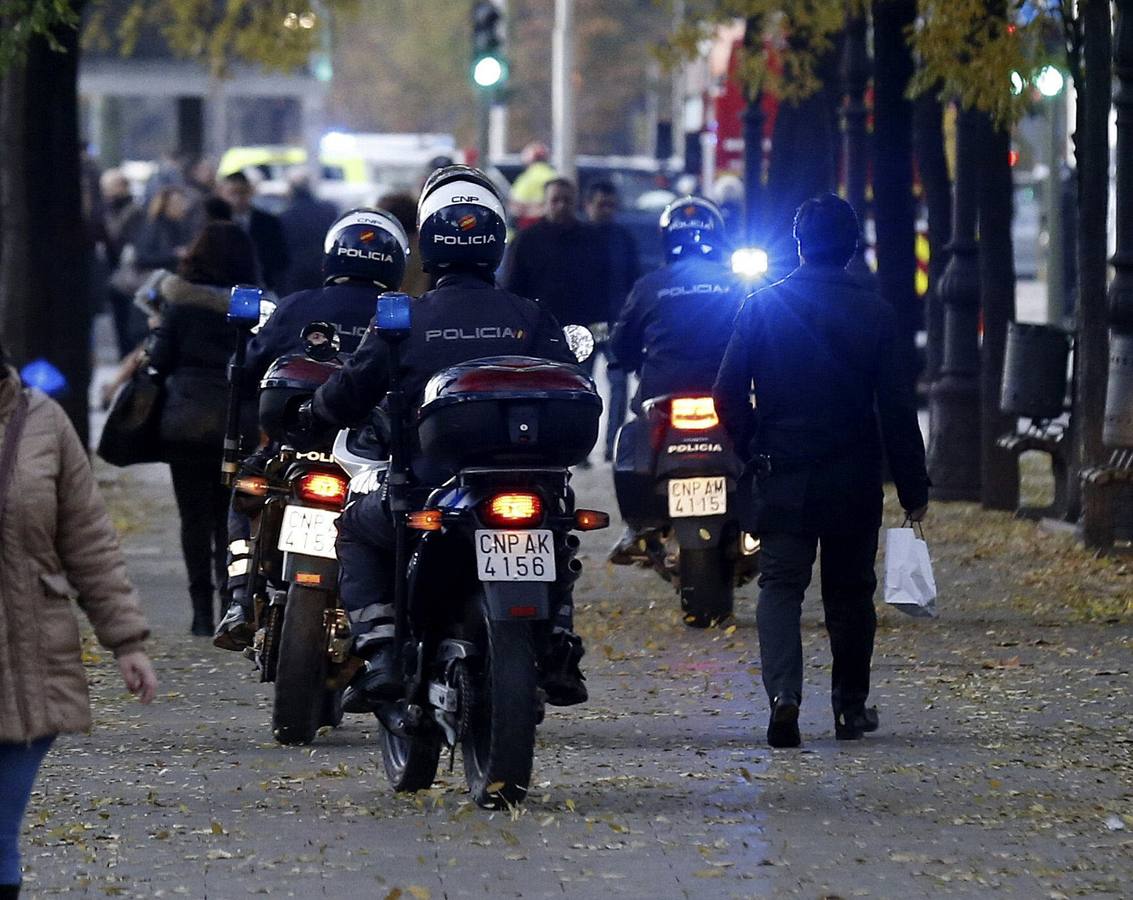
[488, 71]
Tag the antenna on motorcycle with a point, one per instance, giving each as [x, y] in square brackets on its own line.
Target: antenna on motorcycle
[393, 324]
[244, 313]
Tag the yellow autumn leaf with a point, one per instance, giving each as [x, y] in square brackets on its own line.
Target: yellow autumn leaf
[419, 892]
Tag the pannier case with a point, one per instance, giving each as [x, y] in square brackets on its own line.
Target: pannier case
[509, 410]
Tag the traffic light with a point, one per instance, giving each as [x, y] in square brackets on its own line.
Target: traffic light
[489, 68]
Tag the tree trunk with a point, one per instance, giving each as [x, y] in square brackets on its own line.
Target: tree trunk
[44, 293]
[932, 163]
[802, 164]
[894, 213]
[999, 482]
[1091, 151]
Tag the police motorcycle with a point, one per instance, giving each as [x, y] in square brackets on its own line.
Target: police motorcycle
[677, 481]
[478, 557]
[302, 636]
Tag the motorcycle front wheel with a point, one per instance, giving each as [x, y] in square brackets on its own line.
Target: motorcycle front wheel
[499, 748]
[301, 671]
[410, 762]
[707, 586]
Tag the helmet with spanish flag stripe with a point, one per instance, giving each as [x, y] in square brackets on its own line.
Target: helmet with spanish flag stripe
[461, 222]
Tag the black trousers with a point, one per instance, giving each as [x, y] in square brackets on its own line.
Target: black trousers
[202, 502]
[848, 585]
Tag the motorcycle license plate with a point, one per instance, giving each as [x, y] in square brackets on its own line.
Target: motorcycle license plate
[515, 555]
[308, 530]
[697, 497]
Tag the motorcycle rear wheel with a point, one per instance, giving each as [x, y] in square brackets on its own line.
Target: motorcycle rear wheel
[410, 762]
[707, 586]
[301, 672]
[499, 748]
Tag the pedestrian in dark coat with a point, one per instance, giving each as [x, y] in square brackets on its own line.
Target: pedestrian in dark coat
[57, 545]
[271, 254]
[622, 269]
[831, 395]
[304, 222]
[190, 349]
[165, 234]
[560, 262]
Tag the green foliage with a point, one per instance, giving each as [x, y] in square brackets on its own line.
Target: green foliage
[796, 35]
[965, 51]
[23, 20]
[277, 34]
[970, 54]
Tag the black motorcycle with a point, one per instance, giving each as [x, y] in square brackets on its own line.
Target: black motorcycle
[676, 477]
[293, 497]
[483, 559]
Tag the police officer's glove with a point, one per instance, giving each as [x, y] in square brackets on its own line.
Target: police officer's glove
[306, 431]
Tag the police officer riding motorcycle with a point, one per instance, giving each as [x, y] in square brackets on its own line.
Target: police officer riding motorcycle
[364, 253]
[674, 466]
[462, 229]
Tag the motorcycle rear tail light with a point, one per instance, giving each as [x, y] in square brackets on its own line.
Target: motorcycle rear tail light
[323, 488]
[693, 413]
[520, 509]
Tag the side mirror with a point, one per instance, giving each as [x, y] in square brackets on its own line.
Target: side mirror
[580, 340]
[393, 318]
[320, 341]
[244, 306]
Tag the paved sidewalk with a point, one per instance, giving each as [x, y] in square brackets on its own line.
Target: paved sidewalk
[1004, 763]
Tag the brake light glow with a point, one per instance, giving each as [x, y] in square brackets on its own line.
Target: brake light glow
[693, 413]
[513, 510]
[322, 487]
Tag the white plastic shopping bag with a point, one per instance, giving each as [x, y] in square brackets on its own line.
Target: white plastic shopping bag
[909, 583]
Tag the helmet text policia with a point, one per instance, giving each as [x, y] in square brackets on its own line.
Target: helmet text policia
[461, 221]
[367, 245]
[693, 227]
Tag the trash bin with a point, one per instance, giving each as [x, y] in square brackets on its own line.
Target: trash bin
[1034, 371]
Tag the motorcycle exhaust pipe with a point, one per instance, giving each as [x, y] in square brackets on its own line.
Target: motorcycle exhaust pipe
[571, 543]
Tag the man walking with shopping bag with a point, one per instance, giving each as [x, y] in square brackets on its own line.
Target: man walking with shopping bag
[831, 392]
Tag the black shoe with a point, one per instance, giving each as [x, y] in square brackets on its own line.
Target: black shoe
[202, 625]
[783, 728]
[560, 677]
[234, 632]
[851, 725]
[9, 891]
[376, 682]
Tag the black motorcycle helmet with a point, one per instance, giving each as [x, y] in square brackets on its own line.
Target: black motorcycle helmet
[368, 245]
[461, 221]
[693, 227]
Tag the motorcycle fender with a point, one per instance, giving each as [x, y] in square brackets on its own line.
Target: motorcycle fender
[451, 648]
[700, 533]
[508, 601]
[310, 571]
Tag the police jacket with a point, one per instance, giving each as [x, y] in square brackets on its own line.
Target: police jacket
[464, 318]
[675, 325]
[820, 349]
[348, 307]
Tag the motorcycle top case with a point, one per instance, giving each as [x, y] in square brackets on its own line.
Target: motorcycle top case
[289, 382]
[509, 410]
